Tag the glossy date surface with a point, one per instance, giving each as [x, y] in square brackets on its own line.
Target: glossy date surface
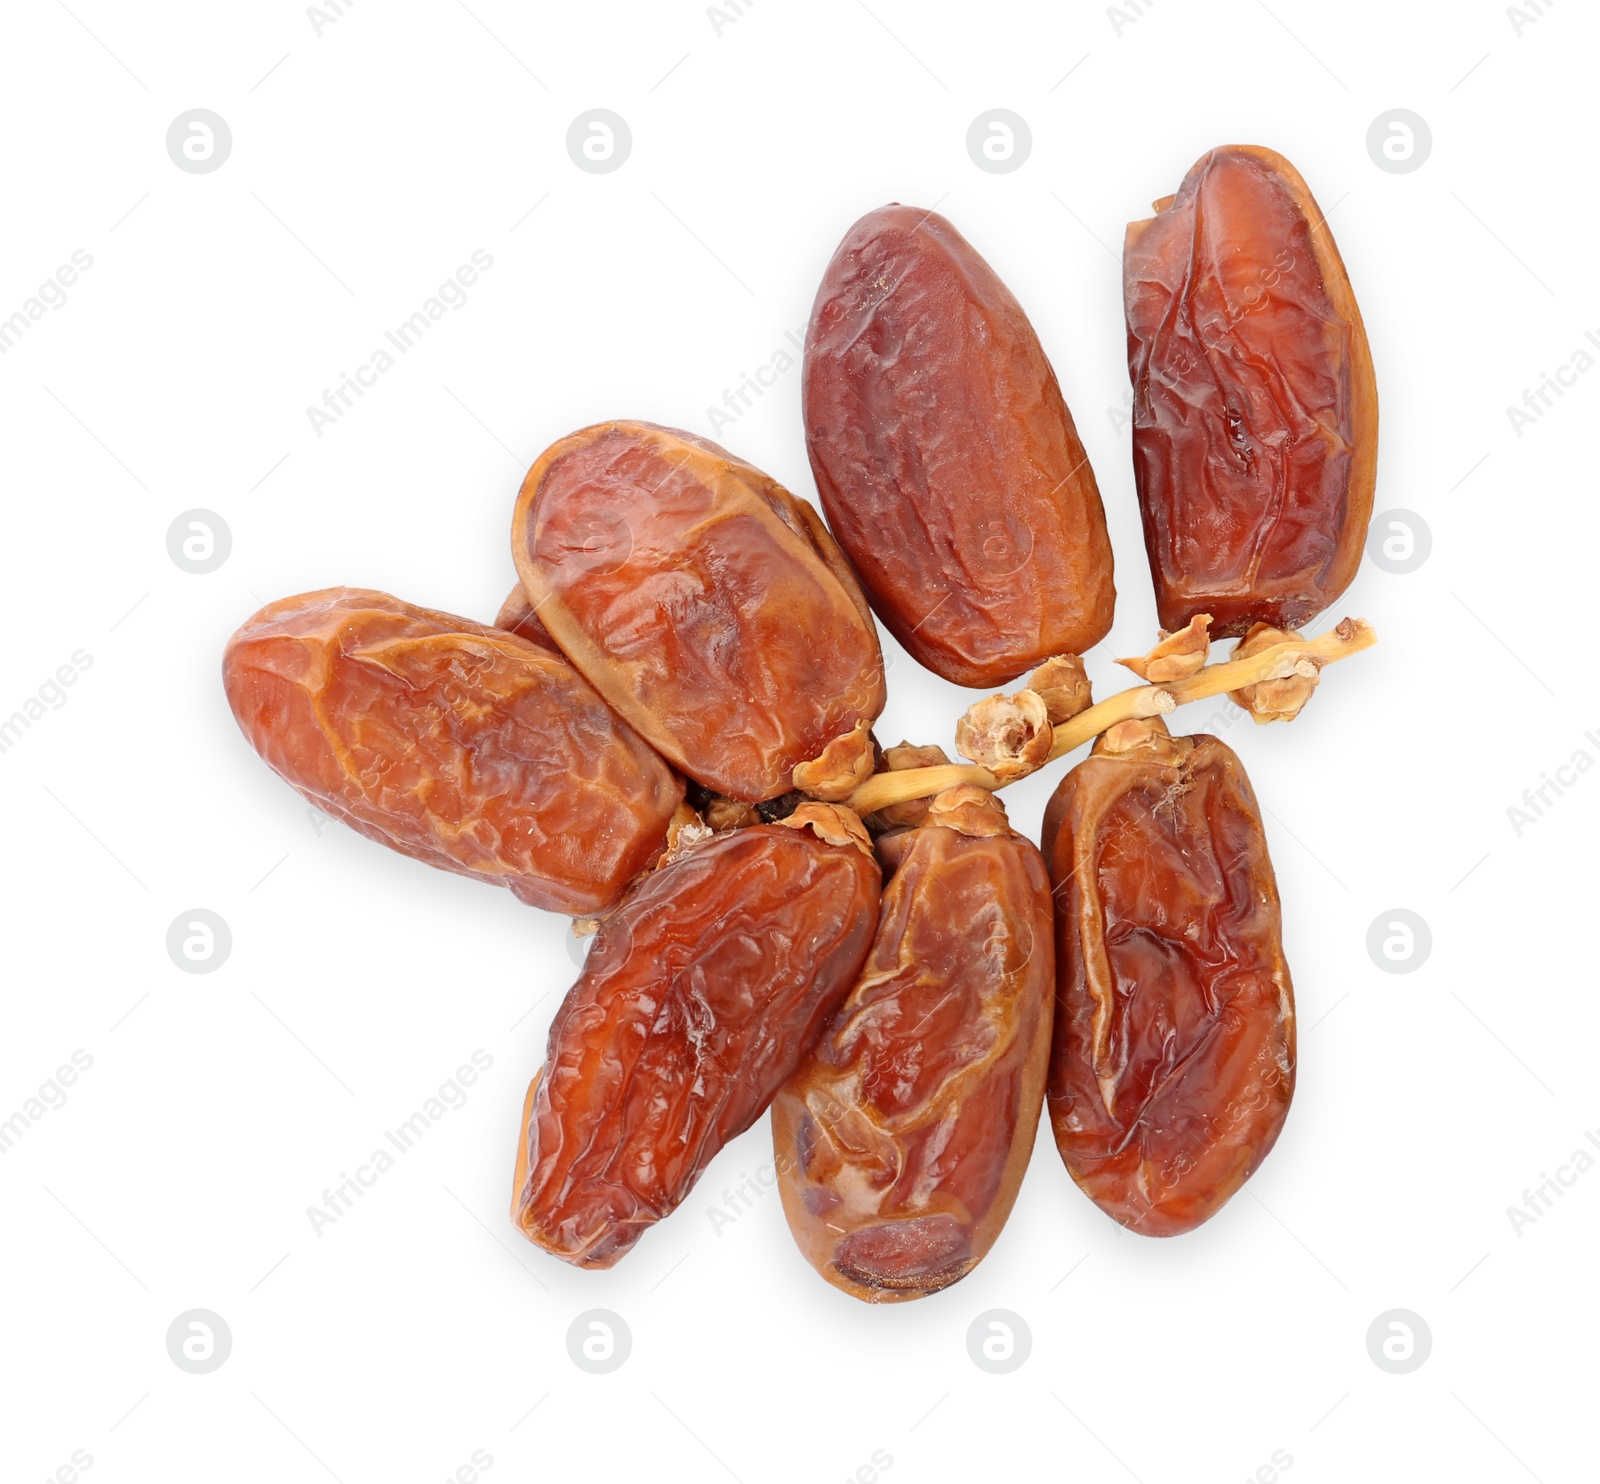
[708, 605]
[701, 994]
[1174, 1043]
[1255, 408]
[452, 742]
[946, 459]
[902, 1140]
[516, 616]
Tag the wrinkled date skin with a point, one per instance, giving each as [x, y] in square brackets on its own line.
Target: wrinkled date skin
[947, 462]
[901, 1142]
[708, 605]
[1255, 432]
[701, 994]
[453, 743]
[1174, 1044]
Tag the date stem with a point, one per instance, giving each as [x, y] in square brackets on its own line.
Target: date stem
[1350, 636]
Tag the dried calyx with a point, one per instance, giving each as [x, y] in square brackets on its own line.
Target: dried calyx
[1146, 738]
[1063, 685]
[1012, 736]
[1281, 697]
[969, 810]
[1008, 735]
[840, 768]
[833, 823]
[1179, 654]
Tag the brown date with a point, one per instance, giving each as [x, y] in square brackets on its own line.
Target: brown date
[516, 616]
[902, 1140]
[1255, 414]
[1174, 1045]
[454, 743]
[947, 462]
[700, 996]
[708, 605]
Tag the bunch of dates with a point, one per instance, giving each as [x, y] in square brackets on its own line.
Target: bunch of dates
[667, 734]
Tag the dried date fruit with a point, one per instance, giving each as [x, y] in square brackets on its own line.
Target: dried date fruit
[452, 742]
[516, 616]
[702, 993]
[1255, 415]
[1174, 1046]
[708, 605]
[948, 464]
[902, 1140]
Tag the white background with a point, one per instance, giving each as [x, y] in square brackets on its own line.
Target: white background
[368, 162]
